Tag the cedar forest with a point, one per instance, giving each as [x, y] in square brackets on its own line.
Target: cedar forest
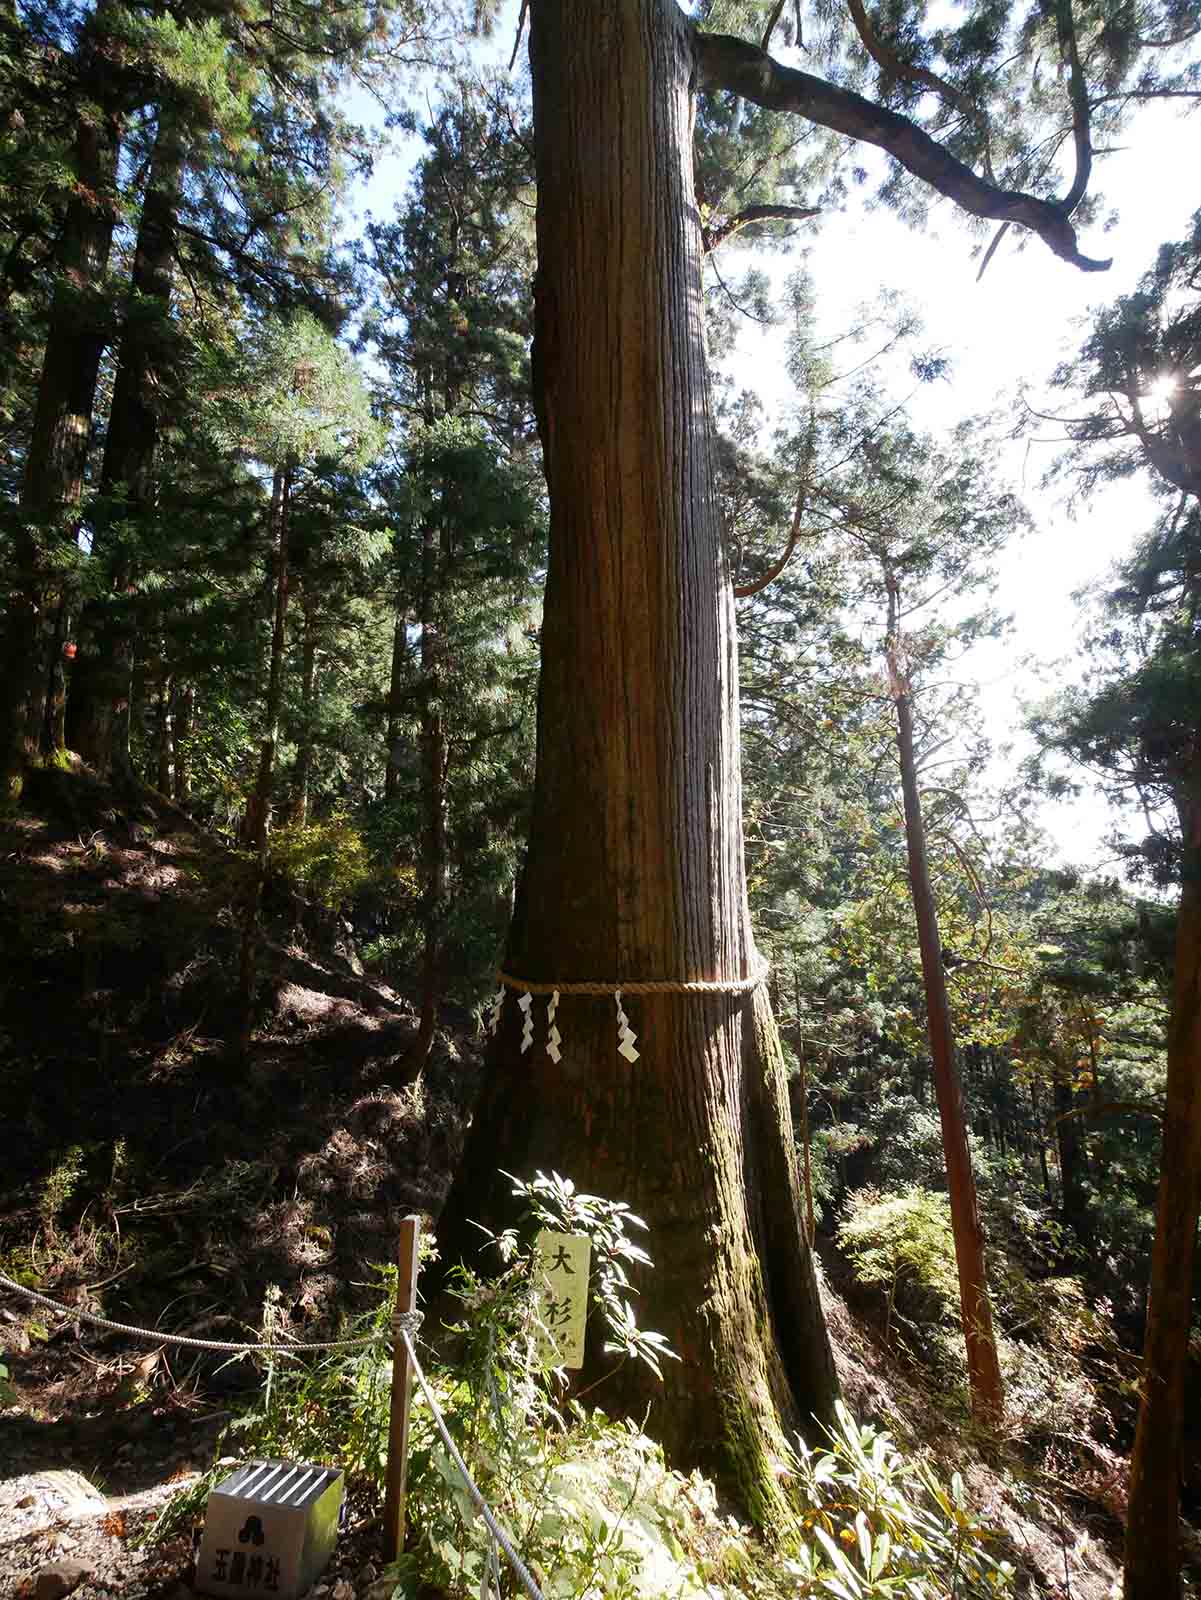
[388, 598]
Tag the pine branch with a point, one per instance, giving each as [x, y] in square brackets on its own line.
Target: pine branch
[743, 69]
[908, 71]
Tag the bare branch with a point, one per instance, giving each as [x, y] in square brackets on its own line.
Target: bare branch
[743, 591]
[749, 215]
[992, 250]
[525, 6]
[1078, 95]
[1147, 94]
[745, 70]
[777, 13]
[751, 316]
[1168, 44]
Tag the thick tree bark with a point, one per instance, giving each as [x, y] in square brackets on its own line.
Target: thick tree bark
[1152, 1560]
[635, 863]
[975, 1308]
[99, 706]
[57, 455]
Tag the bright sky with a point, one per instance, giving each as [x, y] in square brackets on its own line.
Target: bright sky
[1028, 311]
[1011, 328]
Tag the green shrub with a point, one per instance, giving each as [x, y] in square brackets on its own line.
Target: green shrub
[589, 1501]
[884, 1524]
[60, 1184]
[904, 1243]
[329, 858]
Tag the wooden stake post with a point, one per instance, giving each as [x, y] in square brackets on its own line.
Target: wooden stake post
[402, 1388]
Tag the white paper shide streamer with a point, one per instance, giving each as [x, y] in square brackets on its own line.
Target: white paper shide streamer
[498, 1005]
[553, 1037]
[525, 1005]
[626, 1037]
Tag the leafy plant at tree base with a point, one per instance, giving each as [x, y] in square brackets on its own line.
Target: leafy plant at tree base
[591, 1506]
[884, 1524]
[554, 1203]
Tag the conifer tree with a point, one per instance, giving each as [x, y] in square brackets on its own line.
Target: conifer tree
[635, 868]
[452, 323]
[1138, 725]
[300, 402]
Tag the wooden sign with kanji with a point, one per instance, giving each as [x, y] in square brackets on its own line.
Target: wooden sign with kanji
[561, 1273]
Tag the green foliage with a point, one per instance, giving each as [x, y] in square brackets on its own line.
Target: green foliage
[60, 1184]
[585, 1496]
[1055, 1340]
[554, 1202]
[886, 1525]
[904, 1243]
[294, 397]
[328, 858]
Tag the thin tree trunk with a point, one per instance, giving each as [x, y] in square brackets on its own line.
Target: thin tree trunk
[434, 756]
[984, 1372]
[54, 735]
[183, 723]
[99, 704]
[258, 820]
[56, 459]
[806, 1152]
[1067, 1137]
[162, 742]
[399, 656]
[1152, 1560]
[302, 775]
[1041, 1139]
[635, 862]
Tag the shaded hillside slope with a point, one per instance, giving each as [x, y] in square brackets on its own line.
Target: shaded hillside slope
[141, 1151]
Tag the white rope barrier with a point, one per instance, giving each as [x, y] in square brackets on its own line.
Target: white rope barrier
[402, 1323]
[157, 1336]
[520, 1570]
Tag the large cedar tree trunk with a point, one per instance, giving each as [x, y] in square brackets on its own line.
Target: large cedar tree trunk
[1152, 1564]
[635, 863]
[975, 1307]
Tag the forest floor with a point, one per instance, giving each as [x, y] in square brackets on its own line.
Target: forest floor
[150, 1175]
